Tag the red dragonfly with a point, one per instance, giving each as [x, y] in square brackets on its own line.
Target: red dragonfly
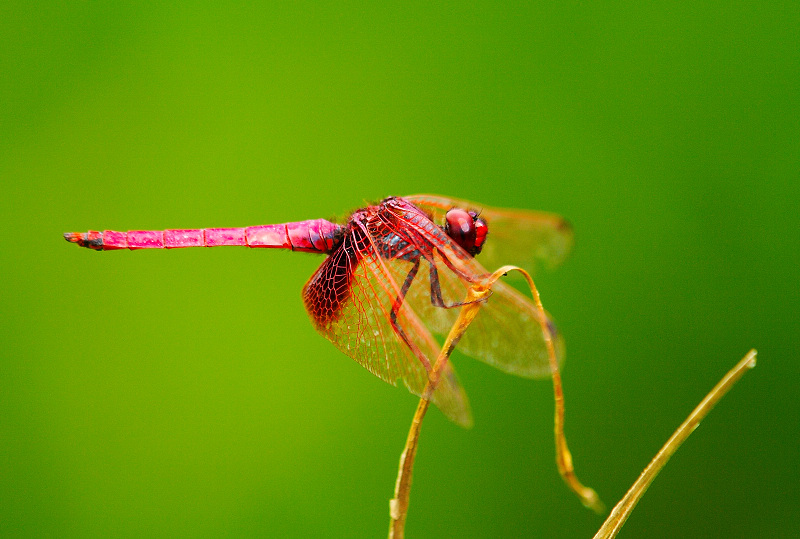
[393, 275]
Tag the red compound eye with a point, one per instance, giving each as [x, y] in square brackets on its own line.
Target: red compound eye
[466, 229]
[481, 230]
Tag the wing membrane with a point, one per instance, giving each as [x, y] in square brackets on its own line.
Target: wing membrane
[373, 297]
[519, 237]
[361, 326]
[505, 334]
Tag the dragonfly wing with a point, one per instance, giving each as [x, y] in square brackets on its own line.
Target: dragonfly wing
[506, 332]
[350, 300]
[508, 336]
[519, 237]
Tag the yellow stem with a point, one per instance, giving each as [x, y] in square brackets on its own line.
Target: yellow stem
[398, 506]
[588, 497]
[623, 509]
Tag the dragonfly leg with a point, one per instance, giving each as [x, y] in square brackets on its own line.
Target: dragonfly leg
[398, 302]
[436, 292]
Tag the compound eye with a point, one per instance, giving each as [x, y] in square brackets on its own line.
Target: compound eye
[460, 226]
[481, 230]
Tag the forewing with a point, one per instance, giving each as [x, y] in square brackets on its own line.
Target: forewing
[350, 299]
[518, 237]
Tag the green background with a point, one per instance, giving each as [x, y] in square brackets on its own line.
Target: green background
[185, 393]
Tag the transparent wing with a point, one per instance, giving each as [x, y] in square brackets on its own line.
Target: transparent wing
[506, 332]
[350, 300]
[518, 237]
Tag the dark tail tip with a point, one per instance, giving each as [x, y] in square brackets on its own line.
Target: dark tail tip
[74, 237]
[92, 239]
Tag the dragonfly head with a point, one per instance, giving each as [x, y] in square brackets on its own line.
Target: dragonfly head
[467, 229]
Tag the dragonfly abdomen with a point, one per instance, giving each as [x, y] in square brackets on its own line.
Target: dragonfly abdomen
[313, 236]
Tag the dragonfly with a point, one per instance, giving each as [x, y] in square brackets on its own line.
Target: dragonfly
[396, 273]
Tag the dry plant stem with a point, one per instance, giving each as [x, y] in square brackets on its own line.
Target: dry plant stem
[398, 506]
[623, 509]
[588, 496]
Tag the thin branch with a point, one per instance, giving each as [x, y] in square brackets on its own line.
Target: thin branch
[588, 496]
[623, 509]
[398, 506]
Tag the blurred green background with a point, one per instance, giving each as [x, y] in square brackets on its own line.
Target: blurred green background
[185, 393]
